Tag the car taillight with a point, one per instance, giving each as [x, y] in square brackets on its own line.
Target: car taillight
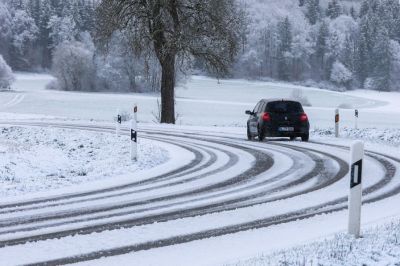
[266, 117]
[303, 117]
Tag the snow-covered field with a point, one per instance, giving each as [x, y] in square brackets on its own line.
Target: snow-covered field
[201, 102]
[204, 195]
[39, 159]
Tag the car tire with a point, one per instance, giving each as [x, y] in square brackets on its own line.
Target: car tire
[261, 135]
[249, 136]
[305, 138]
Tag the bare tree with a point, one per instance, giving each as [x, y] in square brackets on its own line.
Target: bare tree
[175, 30]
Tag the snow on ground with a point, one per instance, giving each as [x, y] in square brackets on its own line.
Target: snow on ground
[201, 101]
[384, 136]
[379, 245]
[37, 159]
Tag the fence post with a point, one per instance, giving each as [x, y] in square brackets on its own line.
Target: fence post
[337, 120]
[134, 134]
[118, 123]
[356, 164]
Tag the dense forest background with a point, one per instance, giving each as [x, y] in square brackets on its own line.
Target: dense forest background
[328, 43]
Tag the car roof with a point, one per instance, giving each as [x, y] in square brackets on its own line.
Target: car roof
[278, 100]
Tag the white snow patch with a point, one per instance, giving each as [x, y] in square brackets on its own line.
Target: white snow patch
[38, 159]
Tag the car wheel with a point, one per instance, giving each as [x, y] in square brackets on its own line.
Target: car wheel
[249, 136]
[261, 135]
[292, 138]
[305, 137]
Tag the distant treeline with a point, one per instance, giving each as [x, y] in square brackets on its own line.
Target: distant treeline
[333, 44]
[339, 44]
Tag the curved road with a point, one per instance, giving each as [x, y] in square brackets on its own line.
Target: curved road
[228, 177]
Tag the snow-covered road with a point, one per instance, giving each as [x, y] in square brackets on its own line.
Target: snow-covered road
[220, 186]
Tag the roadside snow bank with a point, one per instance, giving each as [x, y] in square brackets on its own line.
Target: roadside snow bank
[388, 136]
[38, 159]
[379, 246]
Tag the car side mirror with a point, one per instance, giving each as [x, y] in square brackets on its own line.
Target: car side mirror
[249, 112]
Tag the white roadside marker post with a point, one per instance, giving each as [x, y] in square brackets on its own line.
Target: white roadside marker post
[356, 163]
[134, 134]
[337, 120]
[356, 118]
[118, 124]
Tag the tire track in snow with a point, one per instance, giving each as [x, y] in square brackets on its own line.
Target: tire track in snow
[17, 99]
[262, 223]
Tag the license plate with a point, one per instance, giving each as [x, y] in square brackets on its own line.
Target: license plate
[286, 129]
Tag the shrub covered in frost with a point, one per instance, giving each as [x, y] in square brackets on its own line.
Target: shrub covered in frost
[73, 66]
[340, 74]
[6, 74]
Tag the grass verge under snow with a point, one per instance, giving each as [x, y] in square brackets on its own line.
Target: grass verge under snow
[38, 159]
[386, 136]
[378, 246]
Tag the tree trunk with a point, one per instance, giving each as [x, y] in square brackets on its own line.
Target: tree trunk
[168, 90]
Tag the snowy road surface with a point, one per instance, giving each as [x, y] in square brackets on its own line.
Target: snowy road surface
[228, 188]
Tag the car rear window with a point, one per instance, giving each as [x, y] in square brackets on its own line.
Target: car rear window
[284, 107]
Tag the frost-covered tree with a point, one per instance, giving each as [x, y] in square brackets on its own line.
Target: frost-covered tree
[6, 74]
[73, 66]
[395, 69]
[321, 46]
[313, 11]
[120, 69]
[62, 29]
[382, 60]
[284, 48]
[353, 12]
[334, 9]
[44, 41]
[340, 74]
[24, 31]
[5, 29]
[364, 8]
[206, 29]
[302, 49]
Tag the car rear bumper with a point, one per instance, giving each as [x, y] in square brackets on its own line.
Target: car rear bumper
[297, 132]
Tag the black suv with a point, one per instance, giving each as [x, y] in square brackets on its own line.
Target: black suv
[278, 118]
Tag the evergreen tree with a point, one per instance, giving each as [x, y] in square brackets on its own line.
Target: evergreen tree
[5, 31]
[364, 8]
[88, 15]
[46, 11]
[285, 46]
[367, 38]
[321, 47]
[382, 60]
[348, 54]
[389, 14]
[353, 12]
[33, 8]
[334, 9]
[313, 11]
